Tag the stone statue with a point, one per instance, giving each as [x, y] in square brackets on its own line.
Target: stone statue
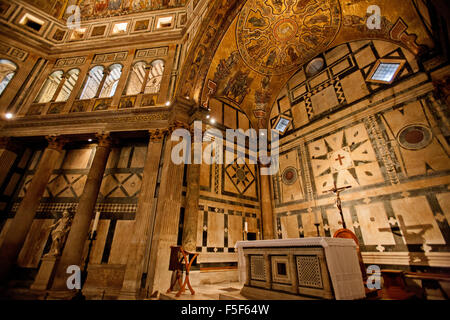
[59, 234]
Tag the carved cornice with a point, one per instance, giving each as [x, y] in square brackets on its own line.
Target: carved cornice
[47, 44]
[72, 123]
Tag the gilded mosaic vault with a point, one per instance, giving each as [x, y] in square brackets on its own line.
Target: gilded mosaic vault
[264, 34]
[274, 37]
[94, 9]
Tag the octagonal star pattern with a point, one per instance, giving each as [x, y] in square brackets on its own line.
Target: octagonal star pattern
[345, 158]
[240, 175]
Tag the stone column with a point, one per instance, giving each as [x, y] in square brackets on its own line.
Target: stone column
[64, 78]
[144, 220]
[106, 73]
[166, 222]
[266, 206]
[20, 225]
[192, 195]
[76, 91]
[123, 81]
[73, 250]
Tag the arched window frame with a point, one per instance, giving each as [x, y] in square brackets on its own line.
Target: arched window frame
[86, 80]
[38, 98]
[66, 77]
[132, 71]
[152, 63]
[148, 77]
[14, 72]
[113, 84]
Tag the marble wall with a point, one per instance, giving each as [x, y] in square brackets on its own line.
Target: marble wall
[117, 201]
[387, 142]
[229, 199]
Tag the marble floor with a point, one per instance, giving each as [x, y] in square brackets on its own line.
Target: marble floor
[220, 291]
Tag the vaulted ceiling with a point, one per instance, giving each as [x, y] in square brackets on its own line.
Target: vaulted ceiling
[246, 51]
[93, 9]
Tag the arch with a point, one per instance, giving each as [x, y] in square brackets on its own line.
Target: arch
[50, 86]
[111, 81]
[92, 83]
[215, 42]
[71, 78]
[155, 76]
[142, 70]
[7, 72]
[299, 99]
[136, 78]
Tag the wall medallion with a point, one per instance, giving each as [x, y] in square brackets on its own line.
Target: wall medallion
[415, 137]
[289, 175]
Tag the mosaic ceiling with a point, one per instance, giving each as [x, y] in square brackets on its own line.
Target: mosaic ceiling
[93, 9]
[246, 59]
[274, 36]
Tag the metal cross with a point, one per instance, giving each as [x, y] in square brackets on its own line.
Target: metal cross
[337, 192]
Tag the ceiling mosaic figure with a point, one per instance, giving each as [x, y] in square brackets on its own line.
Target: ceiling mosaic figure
[93, 9]
[274, 36]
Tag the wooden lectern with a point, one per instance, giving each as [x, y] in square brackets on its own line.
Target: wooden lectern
[179, 258]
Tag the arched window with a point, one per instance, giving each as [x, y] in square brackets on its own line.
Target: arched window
[136, 80]
[155, 77]
[50, 86]
[70, 81]
[111, 81]
[142, 72]
[7, 72]
[93, 82]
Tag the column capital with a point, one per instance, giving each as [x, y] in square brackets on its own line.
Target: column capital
[156, 135]
[178, 125]
[104, 139]
[55, 142]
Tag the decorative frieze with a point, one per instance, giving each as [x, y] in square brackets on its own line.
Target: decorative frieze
[152, 52]
[70, 62]
[13, 52]
[110, 57]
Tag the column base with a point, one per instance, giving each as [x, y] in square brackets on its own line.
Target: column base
[62, 295]
[45, 274]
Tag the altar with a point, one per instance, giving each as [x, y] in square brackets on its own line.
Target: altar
[320, 268]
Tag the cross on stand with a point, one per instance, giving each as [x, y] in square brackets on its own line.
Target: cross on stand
[337, 192]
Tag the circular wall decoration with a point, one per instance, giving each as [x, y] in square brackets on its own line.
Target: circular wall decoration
[289, 175]
[277, 36]
[415, 137]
